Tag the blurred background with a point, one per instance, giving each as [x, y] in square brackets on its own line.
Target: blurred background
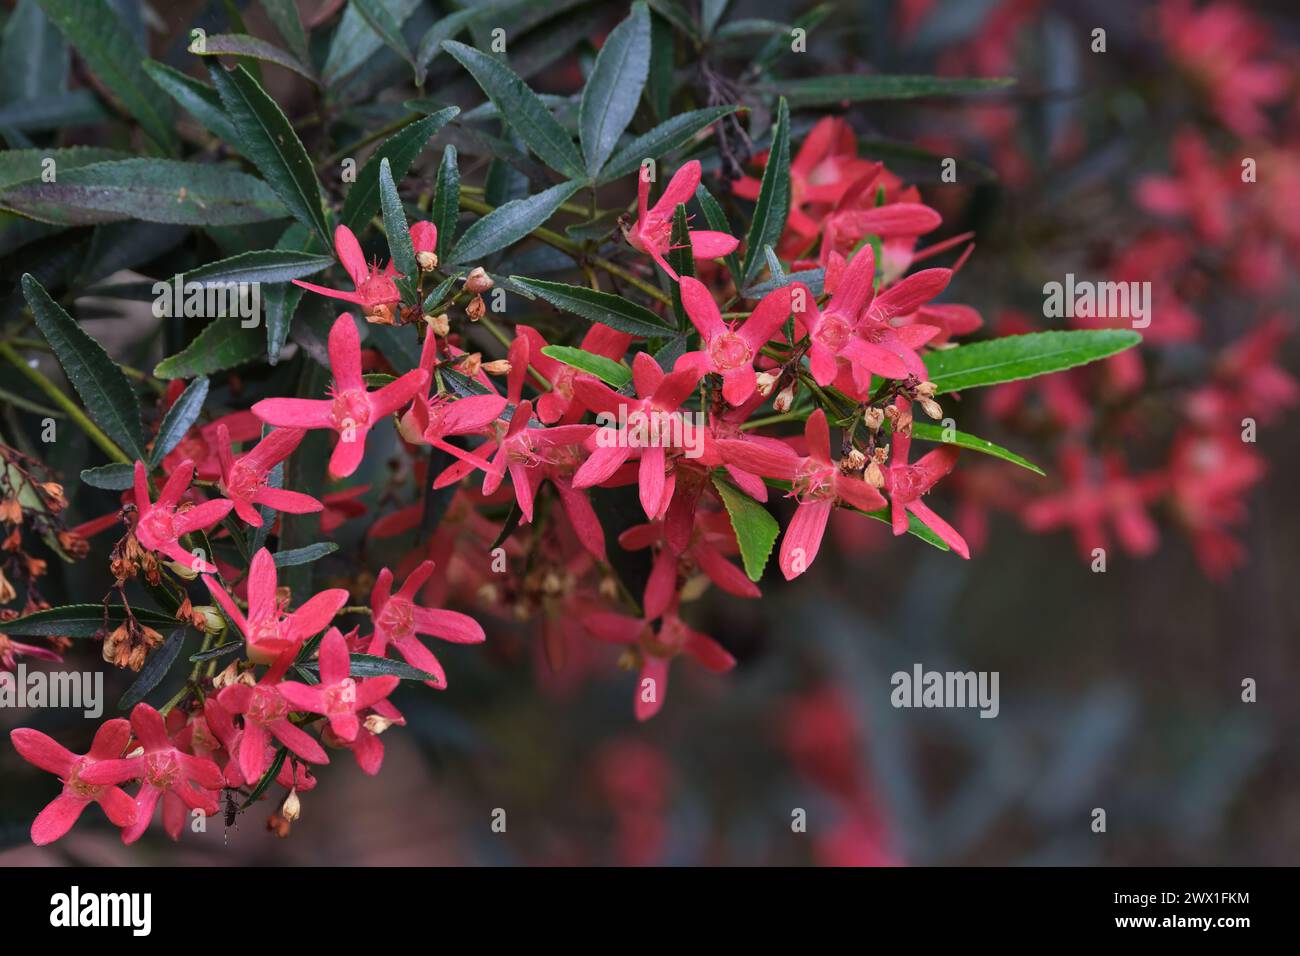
[1119, 690]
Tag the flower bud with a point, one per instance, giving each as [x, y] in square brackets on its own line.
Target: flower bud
[497, 367]
[213, 623]
[381, 314]
[853, 461]
[926, 389]
[784, 399]
[478, 281]
[278, 825]
[7, 592]
[476, 308]
[377, 724]
[930, 407]
[874, 418]
[74, 544]
[182, 570]
[11, 511]
[54, 498]
[471, 364]
[874, 476]
[439, 325]
[766, 382]
[427, 261]
[291, 809]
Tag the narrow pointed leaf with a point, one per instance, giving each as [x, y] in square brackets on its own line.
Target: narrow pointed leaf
[179, 419]
[773, 203]
[607, 370]
[401, 150]
[1023, 356]
[603, 307]
[612, 92]
[509, 223]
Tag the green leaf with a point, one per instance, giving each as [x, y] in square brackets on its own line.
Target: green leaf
[109, 51]
[829, 90]
[282, 299]
[401, 150]
[78, 108]
[197, 98]
[103, 388]
[268, 139]
[304, 555]
[661, 140]
[219, 651]
[607, 370]
[445, 208]
[355, 42]
[711, 12]
[756, 529]
[1023, 356]
[508, 224]
[241, 44]
[154, 670]
[613, 90]
[386, 26]
[179, 419]
[717, 220]
[222, 344]
[603, 307]
[21, 165]
[114, 477]
[773, 197]
[34, 58]
[283, 14]
[399, 234]
[682, 260]
[430, 44]
[368, 665]
[155, 190]
[522, 108]
[927, 431]
[81, 620]
[262, 265]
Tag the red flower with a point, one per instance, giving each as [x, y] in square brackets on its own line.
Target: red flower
[730, 351]
[398, 620]
[351, 411]
[558, 405]
[266, 715]
[244, 479]
[338, 697]
[11, 649]
[653, 230]
[64, 810]
[905, 484]
[182, 781]
[269, 630]
[817, 483]
[375, 291]
[160, 526]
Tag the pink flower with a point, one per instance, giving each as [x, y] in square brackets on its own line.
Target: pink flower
[244, 479]
[160, 525]
[64, 810]
[269, 630]
[338, 697]
[375, 291]
[201, 444]
[652, 233]
[905, 484]
[711, 539]
[558, 404]
[398, 620]
[11, 650]
[182, 781]
[656, 649]
[816, 482]
[266, 714]
[730, 351]
[648, 417]
[351, 411]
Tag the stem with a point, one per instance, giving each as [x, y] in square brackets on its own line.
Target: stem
[55, 394]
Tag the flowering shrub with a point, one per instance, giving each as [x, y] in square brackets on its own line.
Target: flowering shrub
[581, 369]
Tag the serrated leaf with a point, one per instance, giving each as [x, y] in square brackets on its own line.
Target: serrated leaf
[355, 42]
[509, 223]
[262, 265]
[179, 419]
[682, 260]
[243, 45]
[385, 26]
[99, 382]
[603, 307]
[607, 370]
[283, 15]
[155, 190]
[21, 165]
[304, 555]
[661, 140]
[369, 665]
[1015, 357]
[401, 150]
[196, 98]
[773, 205]
[828, 90]
[612, 92]
[430, 44]
[114, 477]
[399, 233]
[34, 57]
[269, 141]
[222, 344]
[756, 529]
[445, 207]
[522, 108]
[154, 670]
[927, 431]
[717, 220]
[82, 620]
[98, 35]
[219, 651]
